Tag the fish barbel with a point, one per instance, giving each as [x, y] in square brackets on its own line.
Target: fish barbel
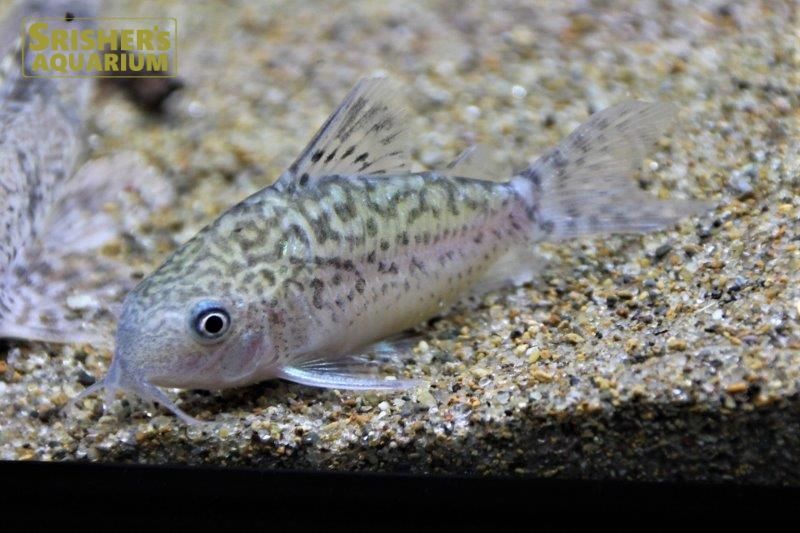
[347, 248]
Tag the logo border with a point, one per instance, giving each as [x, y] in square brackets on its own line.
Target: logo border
[23, 35]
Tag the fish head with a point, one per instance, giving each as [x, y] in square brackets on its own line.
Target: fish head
[206, 341]
[186, 330]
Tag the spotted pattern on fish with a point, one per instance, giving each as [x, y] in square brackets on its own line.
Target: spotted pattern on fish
[359, 240]
[336, 256]
[51, 221]
[35, 160]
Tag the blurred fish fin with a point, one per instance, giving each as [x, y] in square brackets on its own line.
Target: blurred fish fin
[69, 299]
[394, 346]
[365, 136]
[355, 372]
[107, 197]
[515, 267]
[60, 288]
[476, 163]
[584, 186]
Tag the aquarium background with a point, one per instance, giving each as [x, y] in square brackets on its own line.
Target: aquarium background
[672, 356]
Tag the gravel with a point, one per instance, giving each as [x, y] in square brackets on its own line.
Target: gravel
[671, 356]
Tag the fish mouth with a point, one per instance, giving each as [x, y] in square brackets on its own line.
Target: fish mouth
[120, 378]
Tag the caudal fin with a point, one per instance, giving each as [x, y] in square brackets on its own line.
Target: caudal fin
[584, 185]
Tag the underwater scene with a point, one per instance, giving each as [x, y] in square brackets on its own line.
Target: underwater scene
[515, 238]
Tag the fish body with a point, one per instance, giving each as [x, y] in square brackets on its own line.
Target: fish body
[34, 160]
[42, 143]
[327, 270]
[52, 216]
[348, 248]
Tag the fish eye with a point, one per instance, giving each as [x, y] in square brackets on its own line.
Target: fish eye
[210, 321]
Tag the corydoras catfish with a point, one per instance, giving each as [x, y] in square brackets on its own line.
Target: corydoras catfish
[348, 248]
[54, 284]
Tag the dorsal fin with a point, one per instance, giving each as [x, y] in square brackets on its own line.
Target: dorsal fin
[476, 163]
[364, 136]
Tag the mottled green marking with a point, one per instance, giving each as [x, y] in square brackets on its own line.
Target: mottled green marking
[347, 249]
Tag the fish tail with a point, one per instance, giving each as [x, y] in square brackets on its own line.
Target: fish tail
[583, 186]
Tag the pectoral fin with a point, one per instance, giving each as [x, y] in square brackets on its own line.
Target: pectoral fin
[349, 373]
[63, 299]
